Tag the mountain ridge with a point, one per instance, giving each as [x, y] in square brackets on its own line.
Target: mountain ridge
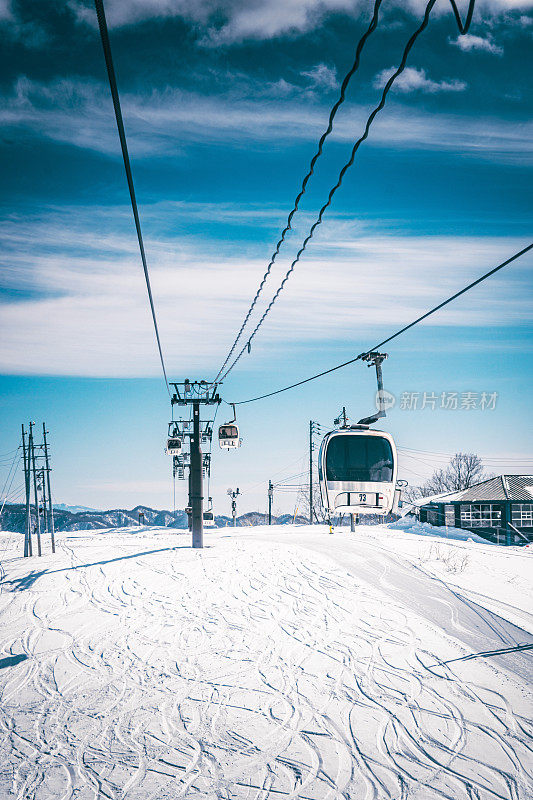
[14, 516]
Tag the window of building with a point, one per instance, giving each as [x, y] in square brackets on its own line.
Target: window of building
[449, 515]
[481, 515]
[522, 515]
[433, 516]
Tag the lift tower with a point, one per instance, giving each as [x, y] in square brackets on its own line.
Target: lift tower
[196, 394]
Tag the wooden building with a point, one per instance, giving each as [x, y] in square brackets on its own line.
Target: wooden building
[500, 509]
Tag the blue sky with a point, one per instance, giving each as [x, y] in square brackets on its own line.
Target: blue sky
[223, 104]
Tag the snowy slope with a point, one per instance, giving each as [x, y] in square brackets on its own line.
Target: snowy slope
[275, 663]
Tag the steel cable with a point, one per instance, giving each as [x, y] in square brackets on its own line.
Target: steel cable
[104, 35]
[394, 335]
[463, 28]
[342, 173]
[355, 66]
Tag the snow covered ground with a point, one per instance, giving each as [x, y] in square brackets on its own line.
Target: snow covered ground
[278, 662]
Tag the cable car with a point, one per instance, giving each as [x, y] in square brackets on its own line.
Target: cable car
[173, 447]
[174, 441]
[228, 434]
[209, 516]
[357, 470]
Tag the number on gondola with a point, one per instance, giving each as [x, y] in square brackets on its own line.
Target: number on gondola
[362, 498]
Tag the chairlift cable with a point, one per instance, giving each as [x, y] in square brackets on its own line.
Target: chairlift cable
[463, 28]
[288, 226]
[340, 179]
[210, 452]
[394, 335]
[104, 35]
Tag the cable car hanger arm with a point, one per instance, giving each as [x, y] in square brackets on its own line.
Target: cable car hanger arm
[375, 359]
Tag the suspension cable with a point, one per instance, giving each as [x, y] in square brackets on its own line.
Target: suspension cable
[288, 226]
[104, 35]
[394, 335]
[342, 173]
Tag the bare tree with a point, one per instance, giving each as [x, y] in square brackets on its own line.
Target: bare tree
[463, 471]
[411, 493]
[319, 514]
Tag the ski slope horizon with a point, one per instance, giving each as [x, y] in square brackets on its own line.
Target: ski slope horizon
[278, 661]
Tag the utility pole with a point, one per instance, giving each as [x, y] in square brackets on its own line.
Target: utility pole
[36, 498]
[311, 471]
[27, 530]
[50, 505]
[234, 494]
[197, 491]
[270, 495]
[314, 427]
[42, 487]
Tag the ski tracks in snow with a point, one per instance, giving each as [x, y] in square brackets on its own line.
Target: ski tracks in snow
[251, 670]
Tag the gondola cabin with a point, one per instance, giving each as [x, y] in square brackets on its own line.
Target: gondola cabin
[173, 447]
[357, 471]
[228, 436]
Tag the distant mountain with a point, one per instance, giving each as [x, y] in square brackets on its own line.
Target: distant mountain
[13, 519]
[73, 509]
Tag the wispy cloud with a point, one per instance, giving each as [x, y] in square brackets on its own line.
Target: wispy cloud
[5, 10]
[469, 42]
[80, 113]
[416, 80]
[224, 22]
[88, 312]
[322, 76]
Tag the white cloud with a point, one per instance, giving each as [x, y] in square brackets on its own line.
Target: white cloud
[262, 19]
[5, 10]
[88, 313]
[322, 76]
[80, 113]
[468, 42]
[416, 80]
[242, 19]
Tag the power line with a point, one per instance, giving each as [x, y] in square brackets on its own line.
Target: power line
[8, 491]
[485, 459]
[355, 66]
[104, 35]
[342, 173]
[394, 335]
[9, 473]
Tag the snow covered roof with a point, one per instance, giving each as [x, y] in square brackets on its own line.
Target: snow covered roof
[443, 497]
[517, 488]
